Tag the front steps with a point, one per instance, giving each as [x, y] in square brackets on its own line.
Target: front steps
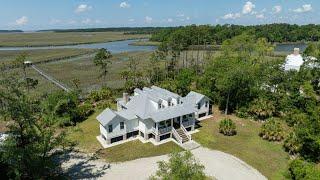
[182, 135]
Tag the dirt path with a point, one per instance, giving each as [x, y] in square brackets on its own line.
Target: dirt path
[217, 164]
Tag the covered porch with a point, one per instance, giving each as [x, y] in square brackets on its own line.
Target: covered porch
[163, 129]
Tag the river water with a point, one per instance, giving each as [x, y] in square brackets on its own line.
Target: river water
[114, 47]
[124, 46]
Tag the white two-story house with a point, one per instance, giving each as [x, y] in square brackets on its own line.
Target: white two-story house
[153, 113]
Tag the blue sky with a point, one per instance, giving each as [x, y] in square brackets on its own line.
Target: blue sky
[47, 14]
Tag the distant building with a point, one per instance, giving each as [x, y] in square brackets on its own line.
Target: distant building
[293, 61]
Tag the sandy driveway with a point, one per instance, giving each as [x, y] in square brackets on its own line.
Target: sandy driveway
[217, 164]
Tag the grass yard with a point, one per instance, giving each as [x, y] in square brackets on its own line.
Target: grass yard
[8, 57]
[267, 157]
[85, 135]
[58, 39]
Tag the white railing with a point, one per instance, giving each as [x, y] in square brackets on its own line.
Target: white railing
[176, 135]
[186, 132]
[153, 130]
[164, 130]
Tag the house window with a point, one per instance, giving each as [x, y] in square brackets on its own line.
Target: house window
[178, 101]
[159, 105]
[169, 103]
[207, 103]
[198, 105]
[110, 128]
[121, 125]
[184, 117]
[190, 115]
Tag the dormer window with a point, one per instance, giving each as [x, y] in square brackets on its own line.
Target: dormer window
[178, 101]
[170, 102]
[159, 104]
[198, 105]
[207, 103]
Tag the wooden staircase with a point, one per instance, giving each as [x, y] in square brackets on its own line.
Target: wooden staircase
[183, 135]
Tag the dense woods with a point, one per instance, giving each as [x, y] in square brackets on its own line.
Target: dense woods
[207, 34]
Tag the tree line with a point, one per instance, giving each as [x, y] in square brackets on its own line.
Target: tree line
[208, 34]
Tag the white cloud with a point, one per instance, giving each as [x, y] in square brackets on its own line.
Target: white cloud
[148, 19]
[86, 21]
[132, 20]
[72, 22]
[248, 7]
[125, 5]
[170, 20]
[232, 16]
[260, 16]
[90, 21]
[277, 9]
[22, 21]
[187, 18]
[304, 8]
[83, 8]
[180, 15]
[55, 21]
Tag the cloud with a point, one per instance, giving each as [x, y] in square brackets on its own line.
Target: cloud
[260, 16]
[232, 16]
[170, 20]
[148, 19]
[277, 9]
[132, 20]
[86, 21]
[304, 8]
[55, 21]
[248, 7]
[22, 21]
[125, 5]
[90, 21]
[83, 8]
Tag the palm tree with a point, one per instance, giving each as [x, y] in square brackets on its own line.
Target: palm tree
[102, 59]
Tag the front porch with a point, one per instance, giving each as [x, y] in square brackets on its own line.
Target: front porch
[165, 129]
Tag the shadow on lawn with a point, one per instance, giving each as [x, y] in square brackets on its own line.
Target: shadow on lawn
[80, 166]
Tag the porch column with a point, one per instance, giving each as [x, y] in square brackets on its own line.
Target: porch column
[171, 127]
[157, 132]
[181, 121]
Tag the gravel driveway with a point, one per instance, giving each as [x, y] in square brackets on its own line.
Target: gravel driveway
[217, 164]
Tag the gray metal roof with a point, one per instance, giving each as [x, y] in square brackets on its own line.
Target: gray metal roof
[172, 112]
[193, 97]
[127, 114]
[106, 116]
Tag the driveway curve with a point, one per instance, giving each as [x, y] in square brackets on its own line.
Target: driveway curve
[217, 164]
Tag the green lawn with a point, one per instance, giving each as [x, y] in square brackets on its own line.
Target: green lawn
[267, 157]
[65, 38]
[85, 135]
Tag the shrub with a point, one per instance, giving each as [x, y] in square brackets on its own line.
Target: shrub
[227, 127]
[301, 170]
[291, 144]
[295, 117]
[180, 166]
[261, 109]
[102, 94]
[242, 112]
[272, 130]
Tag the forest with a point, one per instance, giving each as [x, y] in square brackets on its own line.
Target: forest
[208, 34]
